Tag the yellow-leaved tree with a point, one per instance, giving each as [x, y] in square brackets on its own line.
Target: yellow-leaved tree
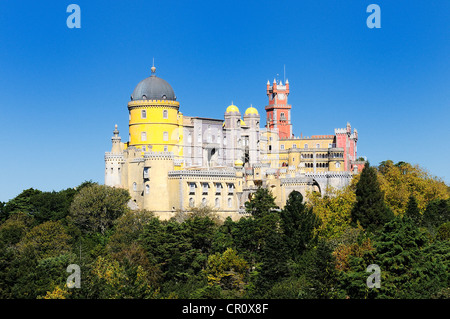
[399, 181]
[227, 270]
[333, 210]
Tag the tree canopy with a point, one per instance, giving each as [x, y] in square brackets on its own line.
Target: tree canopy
[395, 216]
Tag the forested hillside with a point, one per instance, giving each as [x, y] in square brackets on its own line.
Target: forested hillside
[396, 216]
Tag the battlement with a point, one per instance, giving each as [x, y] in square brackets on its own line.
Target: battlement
[340, 131]
[202, 173]
[153, 103]
[329, 175]
[158, 155]
[109, 156]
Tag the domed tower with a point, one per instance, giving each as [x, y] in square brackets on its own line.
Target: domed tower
[154, 117]
[251, 118]
[232, 133]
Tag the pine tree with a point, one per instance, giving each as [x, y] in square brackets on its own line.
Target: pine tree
[261, 203]
[370, 209]
[298, 223]
[412, 211]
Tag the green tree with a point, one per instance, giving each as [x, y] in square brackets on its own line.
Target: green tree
[228, 271]
[108, 279]
[127, 229]
[411, 266]
[169, 248]
[412, 210]
[298, 223]
[261, 203]
[96, 207]
[21, 203]
[48, 239]
[443, 231]
[319, 268]
[436, 213]
[370, 210]
[274, 263]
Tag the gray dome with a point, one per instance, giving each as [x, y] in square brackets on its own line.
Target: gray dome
[153, 88]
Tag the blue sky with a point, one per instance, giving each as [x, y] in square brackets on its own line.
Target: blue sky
[62, 90]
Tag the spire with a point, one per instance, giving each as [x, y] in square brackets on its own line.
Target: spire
[153, 69]
[116, 141]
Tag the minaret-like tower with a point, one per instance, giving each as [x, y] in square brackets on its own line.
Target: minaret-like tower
[278, 110]
[232, 133]
[113, 161]
[251, 118]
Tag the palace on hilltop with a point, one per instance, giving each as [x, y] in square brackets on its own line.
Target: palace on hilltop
[172, 162]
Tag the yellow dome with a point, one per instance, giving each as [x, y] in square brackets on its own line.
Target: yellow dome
[232, 108]
[251, 110]
[238, 163]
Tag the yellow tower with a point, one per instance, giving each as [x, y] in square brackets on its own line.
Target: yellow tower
[155, 122]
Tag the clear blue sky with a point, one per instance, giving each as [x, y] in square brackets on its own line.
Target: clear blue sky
[62, 90]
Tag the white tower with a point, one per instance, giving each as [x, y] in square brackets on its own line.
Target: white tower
[113, 161]
[251, 118]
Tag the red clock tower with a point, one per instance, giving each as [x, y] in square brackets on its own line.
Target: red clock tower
[279, 111]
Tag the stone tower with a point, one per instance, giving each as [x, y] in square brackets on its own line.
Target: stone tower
[232, 134]
[113, 161]
[251, 118]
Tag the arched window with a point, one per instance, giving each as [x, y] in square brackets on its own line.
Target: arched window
[147, 189]
[217, 203]
[191, 202]
[230, 202]
[165, 136]
[143, 136]
[134, 186]
[165, 114]
[204, 201]
[144, 114]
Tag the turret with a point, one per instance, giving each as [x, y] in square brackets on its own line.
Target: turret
[114, 160]
[251, 117]
[232, 133]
